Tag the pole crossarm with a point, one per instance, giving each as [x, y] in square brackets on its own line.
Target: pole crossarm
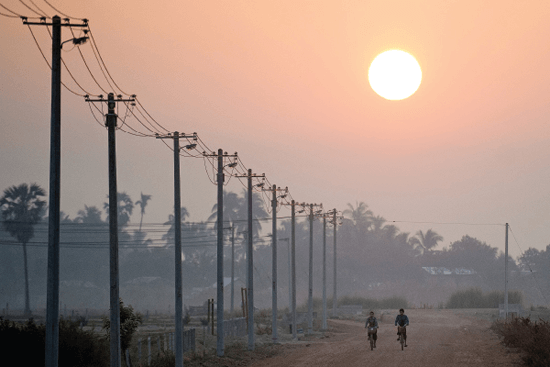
[316, 213]
[101, 99]
[278, 189]
[251, 175]
[332, 214]
[224, 155]
[177, 135]
[67, 24]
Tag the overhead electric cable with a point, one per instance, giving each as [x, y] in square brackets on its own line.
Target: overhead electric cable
[31, 9]
[40, 10]
[65, 15]
[48, 63]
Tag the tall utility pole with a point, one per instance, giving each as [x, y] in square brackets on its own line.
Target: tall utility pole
[219, 279]
[52, 310]
[274, 190]
[274, 267]
[324, 324]
[293, 205]
[219, 328]
[114, 332]
[232, 268]
[310, 290]
[293, 257]
[506, 273]
[250, 261]
[327, 214]
[334, 294]
[177, 243]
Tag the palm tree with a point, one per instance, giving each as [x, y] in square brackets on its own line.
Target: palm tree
[143, 203]
[426, 241]
[235, 211]
[258, 211]
[361, 215]
[22, 208]
[170, 235]
[231, 204]
[125, 207]
[90, 215]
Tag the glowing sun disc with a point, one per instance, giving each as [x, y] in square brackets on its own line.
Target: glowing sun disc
[395, 74]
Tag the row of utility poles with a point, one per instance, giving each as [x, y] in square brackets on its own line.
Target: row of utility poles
[52, 317]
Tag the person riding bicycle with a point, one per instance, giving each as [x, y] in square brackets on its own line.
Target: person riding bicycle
[372, 322]
[403, 321]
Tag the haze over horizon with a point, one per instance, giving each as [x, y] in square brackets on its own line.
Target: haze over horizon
[285, 85]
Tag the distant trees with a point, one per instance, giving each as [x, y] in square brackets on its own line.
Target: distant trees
[125, 207]
[22, 208]
[426, 242]
[142, 204]
[235, 211]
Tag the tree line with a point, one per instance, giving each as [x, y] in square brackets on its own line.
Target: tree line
[371, 252]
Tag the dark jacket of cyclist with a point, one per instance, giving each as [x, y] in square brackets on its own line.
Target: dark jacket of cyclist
[402, 320]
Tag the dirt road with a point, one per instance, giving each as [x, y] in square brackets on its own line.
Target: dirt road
[435, 338]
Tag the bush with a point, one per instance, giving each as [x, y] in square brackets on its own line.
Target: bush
[531, 338]
[76, 346]
[129, 322]
[474, 298]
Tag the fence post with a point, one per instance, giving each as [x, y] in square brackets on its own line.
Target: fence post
[149, 350]
[139, 350]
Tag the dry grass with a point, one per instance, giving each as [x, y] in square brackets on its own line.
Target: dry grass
[531, 339]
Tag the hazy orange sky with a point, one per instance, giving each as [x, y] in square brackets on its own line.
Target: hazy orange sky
[285, 84]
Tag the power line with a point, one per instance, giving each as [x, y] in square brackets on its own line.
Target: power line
[448, 223]
[65, 15]
[31, 9]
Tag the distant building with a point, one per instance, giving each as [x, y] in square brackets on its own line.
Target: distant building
[438, 270]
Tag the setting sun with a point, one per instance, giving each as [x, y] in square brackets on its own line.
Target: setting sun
[395, 75]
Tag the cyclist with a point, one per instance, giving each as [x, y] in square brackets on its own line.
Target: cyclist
[402, 320]
[372, 322]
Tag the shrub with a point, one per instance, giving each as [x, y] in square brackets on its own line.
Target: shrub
[129, 322]
[531, 338]
[76, 346]
[474, 298]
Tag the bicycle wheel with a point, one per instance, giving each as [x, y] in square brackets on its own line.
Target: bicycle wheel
[371, 342]
[401, 340]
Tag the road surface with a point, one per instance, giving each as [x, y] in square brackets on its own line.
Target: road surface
[435, 338]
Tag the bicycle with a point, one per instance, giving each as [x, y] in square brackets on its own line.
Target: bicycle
[371, 332]
[402, 330]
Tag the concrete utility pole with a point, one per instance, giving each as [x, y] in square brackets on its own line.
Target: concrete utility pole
[310, 290]
[506, 274]
[293, 257]
[219, 279]
[219, 328]
[327, 214]
[274, 267]
[177, 243]
[114, 332]
[334, 294]
[232, 268]
[250, 260]
[52, 303]
[324, 324]
[274, 190]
